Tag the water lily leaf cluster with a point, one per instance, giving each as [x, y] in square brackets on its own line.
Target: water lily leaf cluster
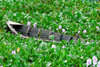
[68, 17]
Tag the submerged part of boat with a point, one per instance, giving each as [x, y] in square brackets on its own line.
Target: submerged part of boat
[28, 31]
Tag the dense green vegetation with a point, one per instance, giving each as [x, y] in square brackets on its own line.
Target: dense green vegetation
[75, 16]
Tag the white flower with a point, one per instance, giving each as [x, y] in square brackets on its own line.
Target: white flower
[89, 25]
[63, 30]
[28, 23]
[97, 27]
[89, 62]
[87, 43]
[94, 60]
[49, 28]
[53, 46]
[98, 64]
[35, 24]
[14, 52]
[60, 27]
[78, 31]
[1, 66]
[63, 46]
[84, 31]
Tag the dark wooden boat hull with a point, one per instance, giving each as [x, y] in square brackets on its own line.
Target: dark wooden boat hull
[28, 31]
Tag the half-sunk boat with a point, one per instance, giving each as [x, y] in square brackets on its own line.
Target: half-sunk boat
[28, 31]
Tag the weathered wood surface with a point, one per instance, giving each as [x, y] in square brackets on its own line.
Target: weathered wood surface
[28, 31]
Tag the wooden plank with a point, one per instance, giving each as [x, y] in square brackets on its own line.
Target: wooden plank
[66, 37]
[57, 36]
[44, 35]
[33, 32]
